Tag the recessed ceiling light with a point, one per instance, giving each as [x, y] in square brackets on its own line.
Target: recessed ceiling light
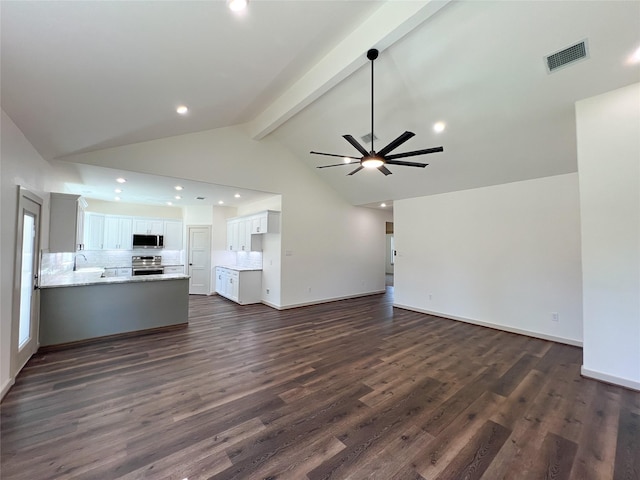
[220, 202]
[121, 180]
[383, 205]
[117, 199]
[182, 110]
[169, 203]
[118, 190]
[177, 197]
[237, 5]
[439, 127]
[237, 195]
[178, 187]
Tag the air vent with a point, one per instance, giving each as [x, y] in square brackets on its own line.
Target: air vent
[200, 198]
[567, 56]
[367, 138]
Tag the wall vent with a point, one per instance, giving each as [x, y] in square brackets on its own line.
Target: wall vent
[200, 198]
[567, 56]
[367, 138]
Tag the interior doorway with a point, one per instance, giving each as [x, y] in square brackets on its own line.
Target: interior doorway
[199, 259]
[26, 313]
[390, 255]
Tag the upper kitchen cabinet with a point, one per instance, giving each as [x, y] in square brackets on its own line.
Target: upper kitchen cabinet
[93, 231]
[265, 222]
[66, 223]
[172, 235]
[150, 226]
[118, 233]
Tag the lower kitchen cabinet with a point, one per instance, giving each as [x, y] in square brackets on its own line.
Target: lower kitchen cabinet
[241, 286]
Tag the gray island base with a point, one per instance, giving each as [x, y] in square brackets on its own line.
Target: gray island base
[77, 313]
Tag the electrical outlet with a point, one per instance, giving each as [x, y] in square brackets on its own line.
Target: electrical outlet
[430, 297]
[267, 291]
[555, 317]
[309, 289]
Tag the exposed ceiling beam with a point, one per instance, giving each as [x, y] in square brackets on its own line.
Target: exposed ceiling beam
[392, 21]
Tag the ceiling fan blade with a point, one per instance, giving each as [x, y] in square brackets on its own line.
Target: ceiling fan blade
[334, 165]
[334, 155]
[406, 164]
[414, 153]
[385, 170]
[396, 143]
[356, 170]
[355, 143]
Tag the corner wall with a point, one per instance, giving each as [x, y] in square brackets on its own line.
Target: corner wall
[608, 130]
[505, 256]
[20, 165]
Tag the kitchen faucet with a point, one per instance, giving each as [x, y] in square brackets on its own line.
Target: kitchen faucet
[75, 261]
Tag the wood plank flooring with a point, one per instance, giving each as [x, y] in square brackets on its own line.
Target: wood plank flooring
[354, 389]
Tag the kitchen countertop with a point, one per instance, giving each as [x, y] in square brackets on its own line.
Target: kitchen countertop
[240, 269]
[80, 278]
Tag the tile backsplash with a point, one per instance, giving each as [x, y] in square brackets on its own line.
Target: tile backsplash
[56, 263]
[249, 259]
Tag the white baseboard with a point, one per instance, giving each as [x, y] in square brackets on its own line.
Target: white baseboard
[495, 326]
[605, 377]
[326, 300]
[6, 387]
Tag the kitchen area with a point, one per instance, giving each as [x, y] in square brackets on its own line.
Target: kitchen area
[106, 273]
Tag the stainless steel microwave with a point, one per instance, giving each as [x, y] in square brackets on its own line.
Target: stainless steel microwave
[148, 241]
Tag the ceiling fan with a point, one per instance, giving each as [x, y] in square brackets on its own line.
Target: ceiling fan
[382, 158]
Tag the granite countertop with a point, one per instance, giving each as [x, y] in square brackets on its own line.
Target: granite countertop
[241, 269]
[83, 278]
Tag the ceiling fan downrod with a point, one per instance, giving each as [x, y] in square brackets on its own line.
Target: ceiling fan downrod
[372, 55]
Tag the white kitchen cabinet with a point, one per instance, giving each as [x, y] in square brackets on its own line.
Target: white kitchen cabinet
[117, 272]
[242, 286]
[239, 237]
[233, 227]
[174, 269]
[93, 231]
[63, 225]
[172, 235]
[118, 232]
[149, 226]
[265, 222]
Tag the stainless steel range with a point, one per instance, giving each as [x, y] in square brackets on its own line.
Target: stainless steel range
[146, 265]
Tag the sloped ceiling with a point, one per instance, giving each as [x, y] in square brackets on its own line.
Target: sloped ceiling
[81, 76]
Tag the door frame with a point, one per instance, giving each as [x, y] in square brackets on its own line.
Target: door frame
[17, 362]
[188, 255]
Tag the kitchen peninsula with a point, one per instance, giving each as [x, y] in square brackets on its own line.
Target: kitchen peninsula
[84, 305]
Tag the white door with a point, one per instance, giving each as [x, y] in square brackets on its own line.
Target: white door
[25, 318]
[199, 256]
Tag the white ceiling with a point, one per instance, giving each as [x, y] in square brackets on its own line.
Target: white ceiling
[81, 76]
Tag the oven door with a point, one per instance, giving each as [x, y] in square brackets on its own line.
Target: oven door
[148, 271]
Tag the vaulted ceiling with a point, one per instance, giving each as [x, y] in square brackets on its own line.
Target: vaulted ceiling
[82, 76]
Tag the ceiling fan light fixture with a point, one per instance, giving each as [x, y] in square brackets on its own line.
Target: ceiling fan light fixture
[372, 162]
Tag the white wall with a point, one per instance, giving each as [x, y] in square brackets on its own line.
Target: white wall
[20, 165]
[608, 131]
[505, 256]
[337, 250]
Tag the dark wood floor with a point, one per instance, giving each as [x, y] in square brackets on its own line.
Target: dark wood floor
[347, 390]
